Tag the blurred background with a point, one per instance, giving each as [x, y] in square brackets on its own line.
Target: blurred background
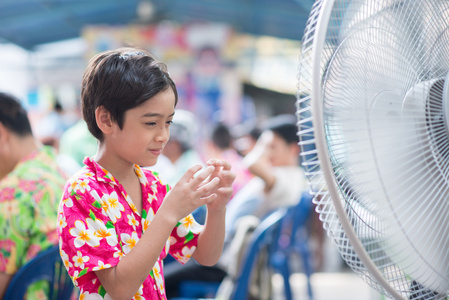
[234, 62]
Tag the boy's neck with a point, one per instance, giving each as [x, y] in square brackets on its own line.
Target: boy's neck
[122, 172]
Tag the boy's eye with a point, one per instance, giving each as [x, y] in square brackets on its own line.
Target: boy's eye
[169, 122]
[151, 123]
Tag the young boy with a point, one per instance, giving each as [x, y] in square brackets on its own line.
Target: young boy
[117, 221]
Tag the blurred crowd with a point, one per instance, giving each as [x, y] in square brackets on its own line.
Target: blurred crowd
[264, 155]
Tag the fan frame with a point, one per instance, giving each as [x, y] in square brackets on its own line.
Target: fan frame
[321, 146]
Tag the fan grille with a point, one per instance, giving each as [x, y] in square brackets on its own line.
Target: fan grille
[381, 73]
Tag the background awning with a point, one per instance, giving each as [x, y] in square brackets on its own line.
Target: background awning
[29, 23]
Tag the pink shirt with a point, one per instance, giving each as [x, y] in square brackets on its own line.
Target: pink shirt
[98, 224]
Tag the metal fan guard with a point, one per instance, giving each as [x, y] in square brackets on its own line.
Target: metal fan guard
[332, 200]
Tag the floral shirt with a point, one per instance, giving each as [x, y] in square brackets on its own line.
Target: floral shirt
[29, 198]
[99, 224]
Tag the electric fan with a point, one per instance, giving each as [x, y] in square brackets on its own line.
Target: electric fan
[373, 111]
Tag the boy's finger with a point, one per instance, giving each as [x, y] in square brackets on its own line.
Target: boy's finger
[214, 162]
[210, 198]
[226, 165]
[225, 191]
[228, 177]
[219, 163]
[202, 176]
[190, 173]
[207, 188]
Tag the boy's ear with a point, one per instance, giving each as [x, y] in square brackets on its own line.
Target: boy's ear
[4, 136]
[103, 118]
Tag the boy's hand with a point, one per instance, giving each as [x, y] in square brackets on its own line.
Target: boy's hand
[191, 191]
[224, 187]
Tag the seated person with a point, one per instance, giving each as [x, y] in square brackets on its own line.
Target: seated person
[30, 189]
[279, 181]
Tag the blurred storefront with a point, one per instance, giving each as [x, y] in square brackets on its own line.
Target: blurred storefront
[221, 74]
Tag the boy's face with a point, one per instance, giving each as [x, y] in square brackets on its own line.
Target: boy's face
[145, 130]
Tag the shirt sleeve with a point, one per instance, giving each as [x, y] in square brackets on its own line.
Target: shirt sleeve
[184, 236]
[88, 238]
[184, 239]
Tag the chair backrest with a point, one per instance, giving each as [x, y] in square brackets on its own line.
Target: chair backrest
[265, 234]
[46, 266]
[300, 213]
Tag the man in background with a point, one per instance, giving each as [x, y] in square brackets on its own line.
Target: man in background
[30, 190]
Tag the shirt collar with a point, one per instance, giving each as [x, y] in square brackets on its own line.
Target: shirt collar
[101, 174]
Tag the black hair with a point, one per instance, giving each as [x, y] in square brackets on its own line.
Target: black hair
[120, 80]
[284, 126]
[221, 136]
[13, 116]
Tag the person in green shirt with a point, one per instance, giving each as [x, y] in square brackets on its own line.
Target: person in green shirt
[31, 186]
[77, 142]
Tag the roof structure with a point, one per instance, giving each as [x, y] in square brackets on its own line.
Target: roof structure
[29, 23]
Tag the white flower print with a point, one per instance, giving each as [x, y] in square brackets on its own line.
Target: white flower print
[154, 186]
[79, 260]
[132, 221]
[88, 296]
[65, 259]
[152, 197]
[61, 222]
[167, 245]
[102, 232]
[138, 295]
[118, 253]
[130, 241]
[185, 255]
[83, 235]
[158, 277]
[94, 194]
[75, 277]
[146, 221]
[72, 185]
[110, 205]
[145, 224]
[107, 297]
[68, 202]
[104, 204]
[113, 205]
[130, 202]
[89, 174]
[101, 266]
[140, 174]
[79, 185]
[188, 224]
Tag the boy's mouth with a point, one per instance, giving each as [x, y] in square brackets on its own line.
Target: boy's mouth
[156, 151]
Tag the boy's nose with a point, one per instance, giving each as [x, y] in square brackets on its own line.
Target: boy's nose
[163, 135]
